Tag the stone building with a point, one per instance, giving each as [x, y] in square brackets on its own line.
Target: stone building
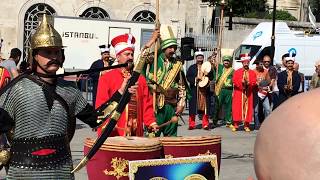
[298, 8]
[19, 18]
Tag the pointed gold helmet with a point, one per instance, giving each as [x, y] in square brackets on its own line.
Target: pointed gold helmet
[45, 36]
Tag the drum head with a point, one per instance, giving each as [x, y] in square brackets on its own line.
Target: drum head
[204, 81]
[131, 141]
[206, 67]
[127, 143]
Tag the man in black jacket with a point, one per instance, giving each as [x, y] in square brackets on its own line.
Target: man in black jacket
[288, 80]
[100, 63]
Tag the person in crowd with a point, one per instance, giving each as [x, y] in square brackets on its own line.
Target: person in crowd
[224, 90]
[38, 110]
[283, 65]
[139, 111]
[200, 100]
[171, 84]
[261, 94]
[11, 63]
[24, 67]
[212, 59]
[287, 145]
[272, 71]
[4, 77]
[244, 81]
[289, 80]
[296, 68]
[315, 80]
[104, 61]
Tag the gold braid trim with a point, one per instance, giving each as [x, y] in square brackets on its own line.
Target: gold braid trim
[168, 80]
[172, 74]
[224, 76]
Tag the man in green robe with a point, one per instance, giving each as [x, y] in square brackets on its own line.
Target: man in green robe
[223, 90]
[171, 93]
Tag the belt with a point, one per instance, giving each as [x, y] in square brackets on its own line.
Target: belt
[48, 152]
[227, 88]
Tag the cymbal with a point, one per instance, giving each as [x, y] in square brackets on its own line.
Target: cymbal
[204, 81]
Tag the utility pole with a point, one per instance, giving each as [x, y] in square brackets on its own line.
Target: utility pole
[273, 30]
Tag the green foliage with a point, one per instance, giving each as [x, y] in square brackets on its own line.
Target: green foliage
[247, 7]
[258, 9]
[259, 15]
[282, 15]
[243, 7]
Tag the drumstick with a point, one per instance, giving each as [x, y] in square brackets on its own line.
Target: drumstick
[172, 120]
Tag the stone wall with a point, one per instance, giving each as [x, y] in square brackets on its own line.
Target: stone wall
[292, 6]
[186, 15]
[173, 12]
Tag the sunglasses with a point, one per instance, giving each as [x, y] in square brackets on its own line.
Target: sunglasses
[266, 61]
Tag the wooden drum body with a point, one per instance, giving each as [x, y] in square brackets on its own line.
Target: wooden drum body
[111, 161]
[191, 146]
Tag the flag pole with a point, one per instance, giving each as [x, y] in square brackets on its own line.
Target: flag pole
[155, 62]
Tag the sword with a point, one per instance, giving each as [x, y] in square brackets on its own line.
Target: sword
[114, 116]
[88, 71]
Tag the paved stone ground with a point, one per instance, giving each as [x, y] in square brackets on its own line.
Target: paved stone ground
[237, 150]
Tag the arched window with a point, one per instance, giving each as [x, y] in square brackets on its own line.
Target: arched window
[95, 12]
[31, 23]
[145, 16]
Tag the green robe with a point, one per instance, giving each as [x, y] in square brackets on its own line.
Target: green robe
[166, 112]
[224, 96]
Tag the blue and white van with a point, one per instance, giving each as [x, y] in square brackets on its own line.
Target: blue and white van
[305, 46]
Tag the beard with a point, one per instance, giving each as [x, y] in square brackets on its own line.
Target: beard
[130, 65]
[199, 62]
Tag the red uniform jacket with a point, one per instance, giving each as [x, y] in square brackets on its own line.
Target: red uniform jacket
[108, 84]
[4, 77]
[237, 100]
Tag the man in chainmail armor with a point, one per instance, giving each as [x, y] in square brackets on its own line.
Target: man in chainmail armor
[40, 109]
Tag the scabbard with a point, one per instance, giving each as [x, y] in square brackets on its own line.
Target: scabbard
[112, 123]
[115, 115]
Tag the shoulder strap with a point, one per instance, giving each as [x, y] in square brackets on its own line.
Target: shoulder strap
[13, 82]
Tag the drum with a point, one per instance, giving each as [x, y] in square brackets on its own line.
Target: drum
[111, 161]
[191, 146]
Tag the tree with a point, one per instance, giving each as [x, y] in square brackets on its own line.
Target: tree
[315, 7]
[242, 7]
[281, 15]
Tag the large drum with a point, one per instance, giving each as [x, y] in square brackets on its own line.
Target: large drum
[191, 146]
[111, 161]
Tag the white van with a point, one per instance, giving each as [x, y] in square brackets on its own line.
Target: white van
[306, 47]
[82, 37]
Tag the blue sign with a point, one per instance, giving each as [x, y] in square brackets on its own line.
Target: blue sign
[292, 51]
[257, 34]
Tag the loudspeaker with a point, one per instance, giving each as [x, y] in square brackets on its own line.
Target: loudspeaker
[187, 48]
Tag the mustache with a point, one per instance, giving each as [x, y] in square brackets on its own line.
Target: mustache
[54, 62]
